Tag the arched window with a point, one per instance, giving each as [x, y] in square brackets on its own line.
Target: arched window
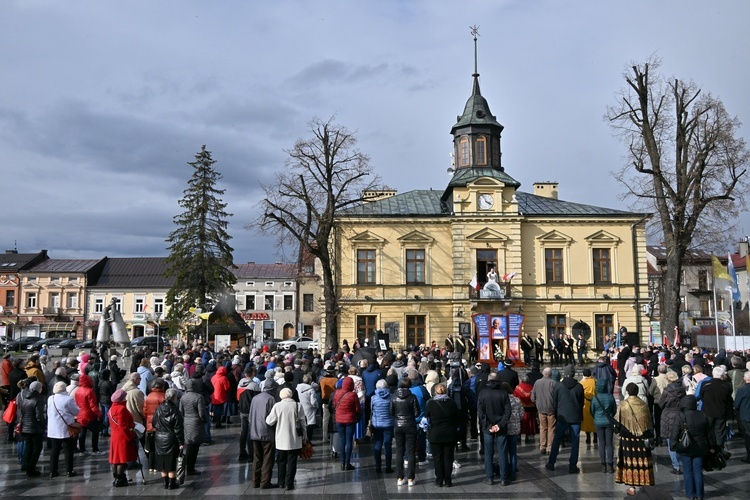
[481, 150]
[463, 148]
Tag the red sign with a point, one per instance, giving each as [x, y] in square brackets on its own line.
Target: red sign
[254, 316]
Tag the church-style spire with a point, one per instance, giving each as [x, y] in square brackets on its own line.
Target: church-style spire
[477, 131]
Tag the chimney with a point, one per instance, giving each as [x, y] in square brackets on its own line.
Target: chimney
[546, 189]
[743, 247]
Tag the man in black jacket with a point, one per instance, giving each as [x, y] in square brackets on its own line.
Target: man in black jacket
[508, 375]
[568, 399]
[493, 409]
[716, 396]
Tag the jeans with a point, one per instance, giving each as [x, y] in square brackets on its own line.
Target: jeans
[692, 473]
[511, 456]
[606, 445]
[207, 425]
[495, 443]
[383, 437]
[673, 457]
[406, 441]
[575, 442]
[218, 411]
[105, 418]
[346, 442]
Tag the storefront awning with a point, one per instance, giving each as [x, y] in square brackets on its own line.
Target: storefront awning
[7, 321]
[64, 327]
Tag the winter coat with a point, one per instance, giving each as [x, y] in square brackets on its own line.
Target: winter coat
[742, 402]
[260, 408]
[670, 406]
[697, 425]
[589, 388]
[717, 398]
[287, 415]
[86, 400]
[604, 370]
[135, 401]
[568, 396]
[516, 414]
[122, 441]
[194, 413]
[639, 381]
[146, 377]
[221, 386]
[309, 401]
[380, 409]
[106, 389]
[493, 408]
[154, 399]
[32, 411]
[405, 408]
[247, 389]
[443, 416]
[420, 392]
[168, 423]
[345, 403]
[33, 370]
[541, 395]
[370, 378]
[61, 412]
[603, 404]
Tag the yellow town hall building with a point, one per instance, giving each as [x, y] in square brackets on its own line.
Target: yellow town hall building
[404, 262]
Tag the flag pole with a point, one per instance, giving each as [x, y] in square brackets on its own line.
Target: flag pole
[716, 308]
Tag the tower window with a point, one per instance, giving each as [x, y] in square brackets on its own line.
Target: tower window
[464, 151]
[481, 151]
[495, 152]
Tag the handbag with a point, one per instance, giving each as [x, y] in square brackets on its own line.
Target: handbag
[9, 415]
[684, 440]
[307, 450]
[181, 468]
[75, 428]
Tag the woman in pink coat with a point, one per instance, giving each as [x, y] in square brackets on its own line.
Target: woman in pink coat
[122, 447]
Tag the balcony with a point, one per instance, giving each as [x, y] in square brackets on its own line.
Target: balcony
[51, 311]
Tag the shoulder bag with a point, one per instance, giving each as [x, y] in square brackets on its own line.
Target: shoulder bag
[75, 428]
[684, 441]
[616, 426]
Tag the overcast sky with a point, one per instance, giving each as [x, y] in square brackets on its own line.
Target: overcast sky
[104, 103]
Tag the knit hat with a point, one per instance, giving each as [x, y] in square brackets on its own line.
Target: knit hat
[36, 386]
[569, 371]
[269, 374]
[119, 395]
[59, 387]
[285, 393]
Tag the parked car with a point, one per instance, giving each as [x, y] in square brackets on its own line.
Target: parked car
[273, 344]
[88, 344]
[153, 342]
[314, 345]
[39, 343]
[21, 344]
[68, 344]
[295, 343]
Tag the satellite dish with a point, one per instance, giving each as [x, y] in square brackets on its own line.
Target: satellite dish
[582, 329]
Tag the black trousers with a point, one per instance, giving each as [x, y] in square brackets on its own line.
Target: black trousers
[263, 458]
[246, 446]
[191, 455]
[93, 427]
[442, 454]
[67, 445]
[33, 450]
[287, 468]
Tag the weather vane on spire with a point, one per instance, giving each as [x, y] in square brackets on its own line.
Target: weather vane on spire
[475, 33]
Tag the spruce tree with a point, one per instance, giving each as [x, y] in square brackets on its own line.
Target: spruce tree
[199, 256]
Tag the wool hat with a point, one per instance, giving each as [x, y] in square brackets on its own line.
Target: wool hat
[35, 386]
[119, 395]
[285, 393]
[269, 374]
[569, 371]
[59, 387]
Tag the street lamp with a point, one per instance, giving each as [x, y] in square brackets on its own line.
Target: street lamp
[157, 315]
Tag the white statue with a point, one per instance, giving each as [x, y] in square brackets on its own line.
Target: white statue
[491, 284]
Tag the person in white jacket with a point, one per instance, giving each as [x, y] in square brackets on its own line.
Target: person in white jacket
[308, 398]
[635, 377]
[289, 418]
[61, 412]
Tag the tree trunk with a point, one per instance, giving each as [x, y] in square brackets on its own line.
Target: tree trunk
[332, 308]
[671, 300]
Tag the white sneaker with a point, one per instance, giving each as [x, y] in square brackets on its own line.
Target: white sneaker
[411, 483]
[429, 455]
[406, 462]
[423, 463]
[400, 482]
[456, 465]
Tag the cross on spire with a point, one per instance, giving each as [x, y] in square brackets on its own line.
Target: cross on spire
[475, 33]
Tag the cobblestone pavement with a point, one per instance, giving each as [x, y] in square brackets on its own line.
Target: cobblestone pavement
[321, 477]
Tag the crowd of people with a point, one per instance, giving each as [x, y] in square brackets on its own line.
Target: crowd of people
[429, 400]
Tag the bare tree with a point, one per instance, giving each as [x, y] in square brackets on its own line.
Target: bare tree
[685, 162]
[323, 175]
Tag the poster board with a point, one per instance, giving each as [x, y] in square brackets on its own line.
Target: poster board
[222, 341]
[482, 324]
[515, 327]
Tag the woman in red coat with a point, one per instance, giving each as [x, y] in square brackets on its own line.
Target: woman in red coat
[90, 414]
[220, 395]
[529, 426]
[122, 447]
[154, 399]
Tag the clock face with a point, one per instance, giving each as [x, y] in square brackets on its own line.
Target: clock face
[486, 201]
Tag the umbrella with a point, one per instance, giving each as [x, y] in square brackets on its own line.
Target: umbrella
[367, 353]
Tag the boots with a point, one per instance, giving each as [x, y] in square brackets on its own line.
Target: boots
[173, 483]
[122, 480]
[166, 482]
